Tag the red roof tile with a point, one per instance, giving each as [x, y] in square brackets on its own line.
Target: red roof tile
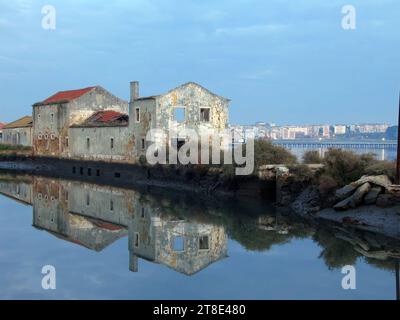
[2, 125]
[105, 116]
[67, 95]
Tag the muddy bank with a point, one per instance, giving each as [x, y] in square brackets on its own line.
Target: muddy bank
[213, 181]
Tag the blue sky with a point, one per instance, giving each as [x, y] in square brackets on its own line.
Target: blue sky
[280, 61]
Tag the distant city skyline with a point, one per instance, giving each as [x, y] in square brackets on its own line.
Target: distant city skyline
[279, 61]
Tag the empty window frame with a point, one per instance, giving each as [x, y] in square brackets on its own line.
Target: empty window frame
[143, 144]
[137, 114]
[204, 243]
[205, 114]
[179, 114]
[178, 244]
[112, 143]
[136, 240]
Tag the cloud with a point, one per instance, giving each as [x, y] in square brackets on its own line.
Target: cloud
[254, 30]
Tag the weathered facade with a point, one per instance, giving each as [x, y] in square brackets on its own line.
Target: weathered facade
[19, 132]
[189, 106]
[92, 124]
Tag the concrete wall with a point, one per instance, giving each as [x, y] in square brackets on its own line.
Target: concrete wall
[95, 144]
[18, 136]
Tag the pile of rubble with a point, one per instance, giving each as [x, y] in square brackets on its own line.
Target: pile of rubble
[369, 190]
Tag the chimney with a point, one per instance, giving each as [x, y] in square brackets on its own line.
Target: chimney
[134, 90]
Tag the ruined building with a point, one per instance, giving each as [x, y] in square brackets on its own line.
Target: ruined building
[93, 124]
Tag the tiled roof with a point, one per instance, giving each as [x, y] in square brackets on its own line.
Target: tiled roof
[66, 96]
[105, 118]
[26, 121]
[2, 125]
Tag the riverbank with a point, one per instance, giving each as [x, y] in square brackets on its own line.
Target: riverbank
[205, 180]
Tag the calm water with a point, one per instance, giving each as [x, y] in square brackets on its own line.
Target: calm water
[122, 244]
[381, 154]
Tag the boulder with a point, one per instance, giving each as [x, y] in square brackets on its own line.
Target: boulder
[384, 200]
[355, 200]
[345, 192]
[372, 195]
[382, 181]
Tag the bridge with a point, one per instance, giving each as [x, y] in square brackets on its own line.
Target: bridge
[338, 144]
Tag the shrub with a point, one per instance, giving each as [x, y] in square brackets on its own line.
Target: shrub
[6, 147]
[301, 172]
[327, 184]
[382, 167]
[346, 166]
[312, 157]
[267, 153]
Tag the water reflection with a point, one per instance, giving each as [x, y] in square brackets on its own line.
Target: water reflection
[186, 235]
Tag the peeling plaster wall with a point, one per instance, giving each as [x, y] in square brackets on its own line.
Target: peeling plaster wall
[147, 110]
[192, 97]
[48, 123]
[100, 144]
[18, 136]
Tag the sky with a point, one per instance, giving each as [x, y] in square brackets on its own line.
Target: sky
[282, 61]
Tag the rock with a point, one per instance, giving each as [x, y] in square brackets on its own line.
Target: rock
[382, 181]
[345, 192]
[384, 200]
[355, 200]
[372, 195]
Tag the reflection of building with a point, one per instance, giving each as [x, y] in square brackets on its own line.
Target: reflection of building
[96, 216]
[184, 246]
[18, 189]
